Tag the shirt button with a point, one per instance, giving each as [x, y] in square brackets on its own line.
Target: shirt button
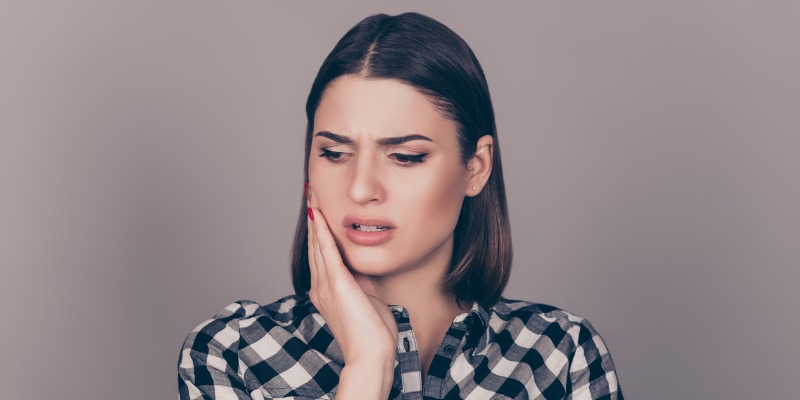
[449, 349]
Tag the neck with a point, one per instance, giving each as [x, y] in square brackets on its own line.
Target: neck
[422, 298]
[419, 290]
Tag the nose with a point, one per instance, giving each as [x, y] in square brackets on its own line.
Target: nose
[365, 185]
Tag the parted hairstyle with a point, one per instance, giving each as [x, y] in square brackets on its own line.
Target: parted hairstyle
[425, 54]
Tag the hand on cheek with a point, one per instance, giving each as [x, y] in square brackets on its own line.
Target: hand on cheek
[362, 325]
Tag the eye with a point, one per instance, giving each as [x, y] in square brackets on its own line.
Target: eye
[333, 156]
[409, 159]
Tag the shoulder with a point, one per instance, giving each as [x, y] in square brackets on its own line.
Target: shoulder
[223, 329]
[564, 342]
[528, 318]
[246, 346]
[210, 364]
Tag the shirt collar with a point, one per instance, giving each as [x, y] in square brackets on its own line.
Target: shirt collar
[478, 322]
[482, 313]
[477, 325]
[476, 319]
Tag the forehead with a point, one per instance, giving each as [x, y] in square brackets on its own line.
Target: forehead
[380, 107]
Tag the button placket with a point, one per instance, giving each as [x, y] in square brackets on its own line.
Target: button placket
[408, 367]
[450, 344]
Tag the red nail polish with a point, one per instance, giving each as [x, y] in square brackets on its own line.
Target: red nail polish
[310, 213]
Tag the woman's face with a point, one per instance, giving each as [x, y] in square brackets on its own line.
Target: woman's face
[416, 186]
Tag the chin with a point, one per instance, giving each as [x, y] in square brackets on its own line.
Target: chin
[369, 262]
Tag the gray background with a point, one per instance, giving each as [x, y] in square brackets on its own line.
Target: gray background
[151, 165]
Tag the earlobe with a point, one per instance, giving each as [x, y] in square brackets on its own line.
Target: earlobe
[480, 165]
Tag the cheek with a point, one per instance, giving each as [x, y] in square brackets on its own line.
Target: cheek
[322, 183]
[435, 199]
[324, 193]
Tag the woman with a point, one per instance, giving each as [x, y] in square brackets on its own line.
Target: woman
[402, 249]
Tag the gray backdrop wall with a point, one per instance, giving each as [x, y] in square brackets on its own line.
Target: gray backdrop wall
[151, 165]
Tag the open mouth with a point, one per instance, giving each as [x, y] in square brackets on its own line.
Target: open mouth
[369, 228]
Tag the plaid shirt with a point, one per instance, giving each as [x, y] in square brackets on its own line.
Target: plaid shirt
[284, 350]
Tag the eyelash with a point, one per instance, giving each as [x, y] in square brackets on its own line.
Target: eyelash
[404, 159]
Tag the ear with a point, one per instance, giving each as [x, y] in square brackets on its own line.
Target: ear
[480, 165]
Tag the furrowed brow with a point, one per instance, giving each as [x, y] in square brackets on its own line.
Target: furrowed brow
[393, 141]
[390, 141]
[335, 137]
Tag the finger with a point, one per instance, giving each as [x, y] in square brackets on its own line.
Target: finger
[366, 283]
[330, 253]
[386, 315]
[312, 265]
[322, 273]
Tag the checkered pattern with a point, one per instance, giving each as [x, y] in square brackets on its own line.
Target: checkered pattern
[284, 350]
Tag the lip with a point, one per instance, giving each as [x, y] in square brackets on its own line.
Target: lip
[368, 238]
[368, 221]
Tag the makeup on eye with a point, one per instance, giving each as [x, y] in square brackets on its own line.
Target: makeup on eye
[409, 158]
[402, 158]
[333, 156]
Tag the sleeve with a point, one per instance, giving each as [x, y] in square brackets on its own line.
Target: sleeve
[591, 372]
[209, 361]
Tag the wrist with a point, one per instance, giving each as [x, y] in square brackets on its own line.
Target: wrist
[373, 364]
[366, 379]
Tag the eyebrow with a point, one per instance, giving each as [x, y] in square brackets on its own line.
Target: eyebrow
[390, 141]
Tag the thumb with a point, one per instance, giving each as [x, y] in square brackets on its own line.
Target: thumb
[366, 283]
[386, 315]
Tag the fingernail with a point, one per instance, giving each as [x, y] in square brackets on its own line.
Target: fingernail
[310, 213]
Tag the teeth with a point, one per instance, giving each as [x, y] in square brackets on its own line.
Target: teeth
[366, 228]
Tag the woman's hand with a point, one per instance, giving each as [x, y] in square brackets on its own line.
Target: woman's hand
[362, 324]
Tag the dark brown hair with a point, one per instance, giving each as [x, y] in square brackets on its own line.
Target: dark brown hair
[424, 53]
